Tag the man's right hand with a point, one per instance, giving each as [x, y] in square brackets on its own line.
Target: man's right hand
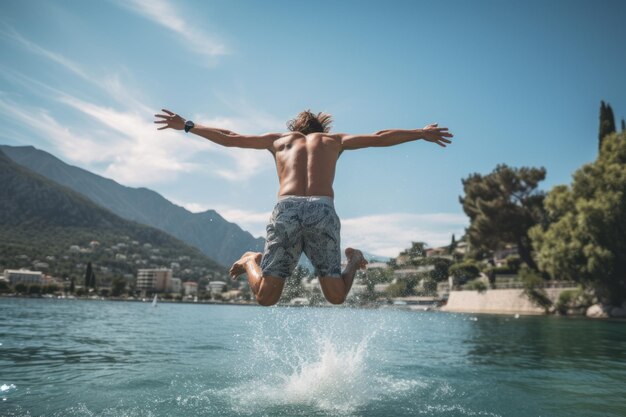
[434, 133]
[171, 120]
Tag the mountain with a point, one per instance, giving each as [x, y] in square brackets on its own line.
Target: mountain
[40, 218]
[208, 231]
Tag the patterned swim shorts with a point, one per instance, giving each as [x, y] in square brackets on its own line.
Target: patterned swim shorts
[302, 223]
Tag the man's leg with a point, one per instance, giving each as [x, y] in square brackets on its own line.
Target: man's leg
[267, 289]
[336, 289]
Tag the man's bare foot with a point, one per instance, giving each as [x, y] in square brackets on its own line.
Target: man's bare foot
[356, 257]
[239, 267]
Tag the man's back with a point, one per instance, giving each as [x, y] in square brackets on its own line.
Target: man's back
[306, 163]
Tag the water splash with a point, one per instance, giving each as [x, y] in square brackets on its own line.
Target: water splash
[315, 360]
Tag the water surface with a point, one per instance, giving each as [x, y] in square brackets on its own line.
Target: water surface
[96, 358]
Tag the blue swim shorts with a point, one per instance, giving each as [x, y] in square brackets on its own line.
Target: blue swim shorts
[299, 224]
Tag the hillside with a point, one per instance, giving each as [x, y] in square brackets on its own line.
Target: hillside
[208, 231]
[54, 229]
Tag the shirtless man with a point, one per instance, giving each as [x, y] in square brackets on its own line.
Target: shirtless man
[304, 218]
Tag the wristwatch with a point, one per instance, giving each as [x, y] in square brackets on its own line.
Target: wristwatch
[189, 125]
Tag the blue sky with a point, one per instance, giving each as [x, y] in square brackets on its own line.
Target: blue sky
[516, 82]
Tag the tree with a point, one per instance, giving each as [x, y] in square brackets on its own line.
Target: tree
[623, 126]
[118, 286]
[90, 277]
[453, 245]
[464, 271]
[607, 122]
[374, 276]
[34, 289]
[72, 286]
[585, 240]
[416, 251]
[502, 206]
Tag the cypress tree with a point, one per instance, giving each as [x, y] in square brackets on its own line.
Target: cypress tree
[623, 126]
[90, 277]
[607, 122]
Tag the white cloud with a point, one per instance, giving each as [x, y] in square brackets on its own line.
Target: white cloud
[388, 234]
[379, 234]
[165, 14]
[129, 145]
[74, 145]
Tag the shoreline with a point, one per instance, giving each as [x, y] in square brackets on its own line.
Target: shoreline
[499, 313]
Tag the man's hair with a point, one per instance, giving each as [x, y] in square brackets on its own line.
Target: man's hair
[307, 122]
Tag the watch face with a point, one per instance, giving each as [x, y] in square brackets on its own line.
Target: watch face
[189, 123]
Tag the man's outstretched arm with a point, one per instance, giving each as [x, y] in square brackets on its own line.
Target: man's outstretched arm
[431, 133]
[223, 137]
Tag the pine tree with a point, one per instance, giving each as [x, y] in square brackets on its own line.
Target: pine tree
[607, 122]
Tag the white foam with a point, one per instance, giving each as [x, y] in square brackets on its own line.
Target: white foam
[5, 387]
[313, 362]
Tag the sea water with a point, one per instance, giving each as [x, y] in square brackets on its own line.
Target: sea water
[99, 358]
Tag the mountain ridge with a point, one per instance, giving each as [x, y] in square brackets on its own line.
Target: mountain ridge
[208, 231]
[39, 217]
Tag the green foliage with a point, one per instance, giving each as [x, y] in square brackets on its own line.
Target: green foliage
[50, 289]
[21, 288]
[38, 217]
[429, 286]
[502, 206]
[513, 263]
[533, 288]
[4, 287]
[416, 251]
[464, 271]
[577, 299]
[607, 122]
[585, 240]
[118, 286]
[476, 285]
[34, 289]
[397, 289]
[442, 268]
[370, 278]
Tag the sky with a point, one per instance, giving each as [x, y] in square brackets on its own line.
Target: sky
[518, 83]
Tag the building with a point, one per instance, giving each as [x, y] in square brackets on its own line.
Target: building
[216, 286]
[176, 285]
[190, 287]
[15, 276]
[153, 279]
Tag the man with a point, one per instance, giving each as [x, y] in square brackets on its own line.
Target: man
[304, 218]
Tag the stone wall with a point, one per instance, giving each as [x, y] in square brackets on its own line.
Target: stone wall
[510, 301]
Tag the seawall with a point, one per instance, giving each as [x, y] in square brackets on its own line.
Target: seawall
[511, 301]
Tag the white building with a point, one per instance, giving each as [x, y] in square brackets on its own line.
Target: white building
[216, 286]
[153, 279]
[191, 288]
[15, 276]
